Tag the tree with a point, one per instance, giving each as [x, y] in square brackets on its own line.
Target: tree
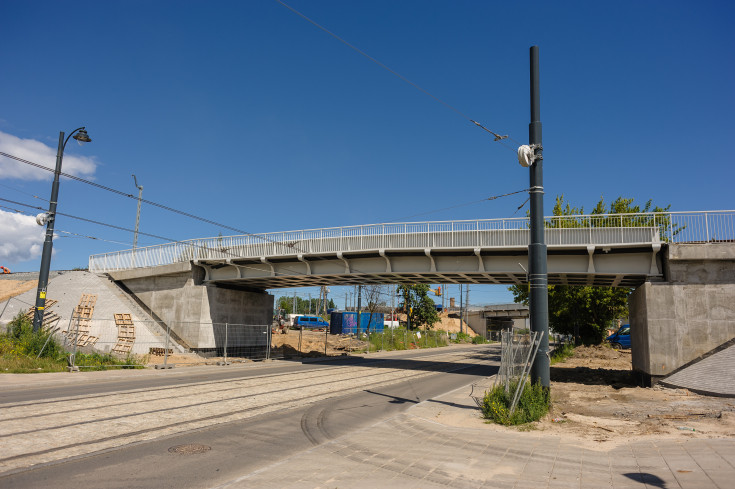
[302, 305]
[586, 311]
[373, 295]
[418, 306]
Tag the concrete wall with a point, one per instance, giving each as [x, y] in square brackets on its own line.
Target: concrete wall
[189, 308]
[478, 321]
[691, 314]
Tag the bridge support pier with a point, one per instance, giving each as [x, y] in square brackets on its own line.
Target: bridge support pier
[674, 323]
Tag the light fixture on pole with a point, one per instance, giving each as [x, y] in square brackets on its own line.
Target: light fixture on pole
[47, 219]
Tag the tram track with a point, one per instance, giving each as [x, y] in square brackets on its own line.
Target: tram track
[162, 416]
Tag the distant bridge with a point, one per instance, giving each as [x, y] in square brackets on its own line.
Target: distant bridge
[612, 250]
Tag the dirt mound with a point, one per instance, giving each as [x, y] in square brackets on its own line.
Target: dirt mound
[11, 288]
[451, 325]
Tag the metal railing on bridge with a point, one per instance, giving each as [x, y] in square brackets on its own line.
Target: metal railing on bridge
[598, 230]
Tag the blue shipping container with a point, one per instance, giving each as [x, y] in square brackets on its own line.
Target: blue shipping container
[346, 322]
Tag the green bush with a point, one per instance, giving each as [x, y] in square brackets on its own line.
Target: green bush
[20, 346]
[462, 338]
[478, 340]
[20, 339]
[532, 405]
[562, 352]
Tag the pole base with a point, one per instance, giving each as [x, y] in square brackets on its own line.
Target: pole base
[161, 367]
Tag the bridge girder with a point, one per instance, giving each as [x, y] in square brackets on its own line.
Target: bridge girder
[585, 265]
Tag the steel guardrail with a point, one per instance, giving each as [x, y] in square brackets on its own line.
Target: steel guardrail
[598, 230]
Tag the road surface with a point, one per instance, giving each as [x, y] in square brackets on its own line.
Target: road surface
[204, 426]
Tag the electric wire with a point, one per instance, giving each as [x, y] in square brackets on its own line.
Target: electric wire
[162, 238]
[15, 189]
[155, 204]
[171, 240]
[497, 137]
[494, 197]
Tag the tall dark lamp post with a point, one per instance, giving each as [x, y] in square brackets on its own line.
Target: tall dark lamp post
[80, 134]
[531, 156]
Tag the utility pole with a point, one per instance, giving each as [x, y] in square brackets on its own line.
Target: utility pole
[359, 306]
[461, 326]
[467, 306]
[325, 304]
[293, 306]
[309, 302]
[537, 267]
[137, 215]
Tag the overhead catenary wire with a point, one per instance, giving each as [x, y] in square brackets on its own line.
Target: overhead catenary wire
[120, 228]
[149, 202]
[497, 136]
[494, 197]
[23, 192]
[171, 240]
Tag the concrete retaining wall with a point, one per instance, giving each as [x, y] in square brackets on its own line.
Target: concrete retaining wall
[689, 315]
[190, 309]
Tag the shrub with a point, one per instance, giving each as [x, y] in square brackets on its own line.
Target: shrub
[478, 340]
[22, 340]
[462, 338]
[562, 353]
[532, 405]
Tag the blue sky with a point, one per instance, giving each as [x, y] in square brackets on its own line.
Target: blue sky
[248, 115]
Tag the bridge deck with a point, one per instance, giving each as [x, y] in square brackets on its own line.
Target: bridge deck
[481, 251]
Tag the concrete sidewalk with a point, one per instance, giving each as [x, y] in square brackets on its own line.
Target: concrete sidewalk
[443, 443]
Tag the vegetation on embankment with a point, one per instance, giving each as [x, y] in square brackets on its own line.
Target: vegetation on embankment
[24, 351]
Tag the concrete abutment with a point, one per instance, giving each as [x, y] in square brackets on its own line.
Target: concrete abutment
[677, 322]
[197, 313]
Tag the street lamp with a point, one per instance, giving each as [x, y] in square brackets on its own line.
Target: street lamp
[80, 134]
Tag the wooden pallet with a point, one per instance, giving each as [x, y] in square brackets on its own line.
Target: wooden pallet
[125, 334]
[125, 326]
[50, 318]
[123, 346]
[87, 340]
[160, 351]
[87, 301]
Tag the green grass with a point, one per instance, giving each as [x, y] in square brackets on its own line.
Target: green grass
[562, 352]
[400, 339]
[24, 351]
[102, 361]
[22, 364]
[533, 404]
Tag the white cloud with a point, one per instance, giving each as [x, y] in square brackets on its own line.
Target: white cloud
[20, 237]
[38, 152]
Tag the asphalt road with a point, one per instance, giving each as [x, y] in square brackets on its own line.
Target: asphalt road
[223, 452]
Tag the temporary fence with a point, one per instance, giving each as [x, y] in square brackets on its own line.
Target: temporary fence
[517, 355]
[154, 342]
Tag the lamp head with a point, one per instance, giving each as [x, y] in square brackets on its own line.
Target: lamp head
[82, 137]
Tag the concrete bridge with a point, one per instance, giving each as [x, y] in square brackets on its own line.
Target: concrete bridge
[682, 265]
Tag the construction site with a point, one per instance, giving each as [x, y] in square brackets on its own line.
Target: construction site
[89, 312]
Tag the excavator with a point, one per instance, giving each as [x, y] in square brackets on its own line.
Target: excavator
[4, 270]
